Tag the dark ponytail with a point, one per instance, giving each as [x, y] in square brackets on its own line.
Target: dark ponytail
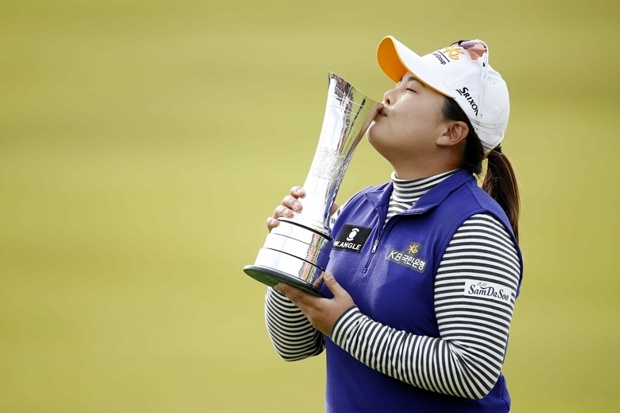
[501, 183]
[499, 180]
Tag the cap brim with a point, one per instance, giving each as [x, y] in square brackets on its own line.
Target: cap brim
[395, 59]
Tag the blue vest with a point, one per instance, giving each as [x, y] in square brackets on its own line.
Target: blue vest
[390, 272]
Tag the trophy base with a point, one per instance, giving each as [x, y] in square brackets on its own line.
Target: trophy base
[271, 277]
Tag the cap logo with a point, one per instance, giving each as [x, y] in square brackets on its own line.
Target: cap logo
[465, 93]
[453, 52]
[442, 59]
[475, 48]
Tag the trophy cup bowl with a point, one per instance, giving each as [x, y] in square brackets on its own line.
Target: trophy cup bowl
[296, 252]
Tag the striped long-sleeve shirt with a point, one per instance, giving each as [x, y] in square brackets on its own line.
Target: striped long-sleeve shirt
[467, 358]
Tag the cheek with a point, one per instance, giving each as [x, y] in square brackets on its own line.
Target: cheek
[408, 124]
[391, 130]
[422, 118]
[419, 114]
[382, 135]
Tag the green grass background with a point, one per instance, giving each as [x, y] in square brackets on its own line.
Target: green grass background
[144, 143]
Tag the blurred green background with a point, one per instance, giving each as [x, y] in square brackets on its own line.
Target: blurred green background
[144, 143]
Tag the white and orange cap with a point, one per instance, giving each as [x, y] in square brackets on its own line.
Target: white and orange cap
[460, 71]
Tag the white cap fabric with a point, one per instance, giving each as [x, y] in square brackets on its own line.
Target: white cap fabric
[460, 71]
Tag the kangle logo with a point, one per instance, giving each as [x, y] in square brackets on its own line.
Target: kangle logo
[352, 238]
[353, 233]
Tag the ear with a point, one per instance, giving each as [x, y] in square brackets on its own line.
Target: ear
[455, 133]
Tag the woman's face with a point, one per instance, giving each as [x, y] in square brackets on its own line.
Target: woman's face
[410, 121]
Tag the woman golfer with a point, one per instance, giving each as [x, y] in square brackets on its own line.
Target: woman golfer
[417, 315]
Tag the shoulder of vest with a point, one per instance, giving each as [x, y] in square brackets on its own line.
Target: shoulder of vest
[371, 192]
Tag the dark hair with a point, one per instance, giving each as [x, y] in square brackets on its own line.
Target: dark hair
[499, 180]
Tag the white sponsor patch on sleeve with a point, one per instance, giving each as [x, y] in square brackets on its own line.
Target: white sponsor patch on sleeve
[488, 290]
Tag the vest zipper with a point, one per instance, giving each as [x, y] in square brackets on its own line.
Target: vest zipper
[372, 254]
[375, 245]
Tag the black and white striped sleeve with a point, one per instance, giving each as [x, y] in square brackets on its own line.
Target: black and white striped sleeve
[292, 334]
[467, 358]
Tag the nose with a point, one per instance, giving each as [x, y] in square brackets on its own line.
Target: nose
[388, 97]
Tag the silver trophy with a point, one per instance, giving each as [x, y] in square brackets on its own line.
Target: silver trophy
[296, 252]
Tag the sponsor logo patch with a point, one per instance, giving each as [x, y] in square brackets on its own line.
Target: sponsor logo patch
[489, 290]
[408, 257]
[453, 52]
[465, 93]
[352, 238]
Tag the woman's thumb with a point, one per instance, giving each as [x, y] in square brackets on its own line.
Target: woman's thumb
[331, 283]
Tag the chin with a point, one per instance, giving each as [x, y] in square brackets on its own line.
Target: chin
[371, 134]
[376, 136]
[375, 141]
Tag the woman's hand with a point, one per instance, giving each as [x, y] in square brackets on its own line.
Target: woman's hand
[322, 312]
[290, 206]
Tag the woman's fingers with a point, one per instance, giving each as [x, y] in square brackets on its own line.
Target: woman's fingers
[287, 208]
[298, 192]
[291, 203]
